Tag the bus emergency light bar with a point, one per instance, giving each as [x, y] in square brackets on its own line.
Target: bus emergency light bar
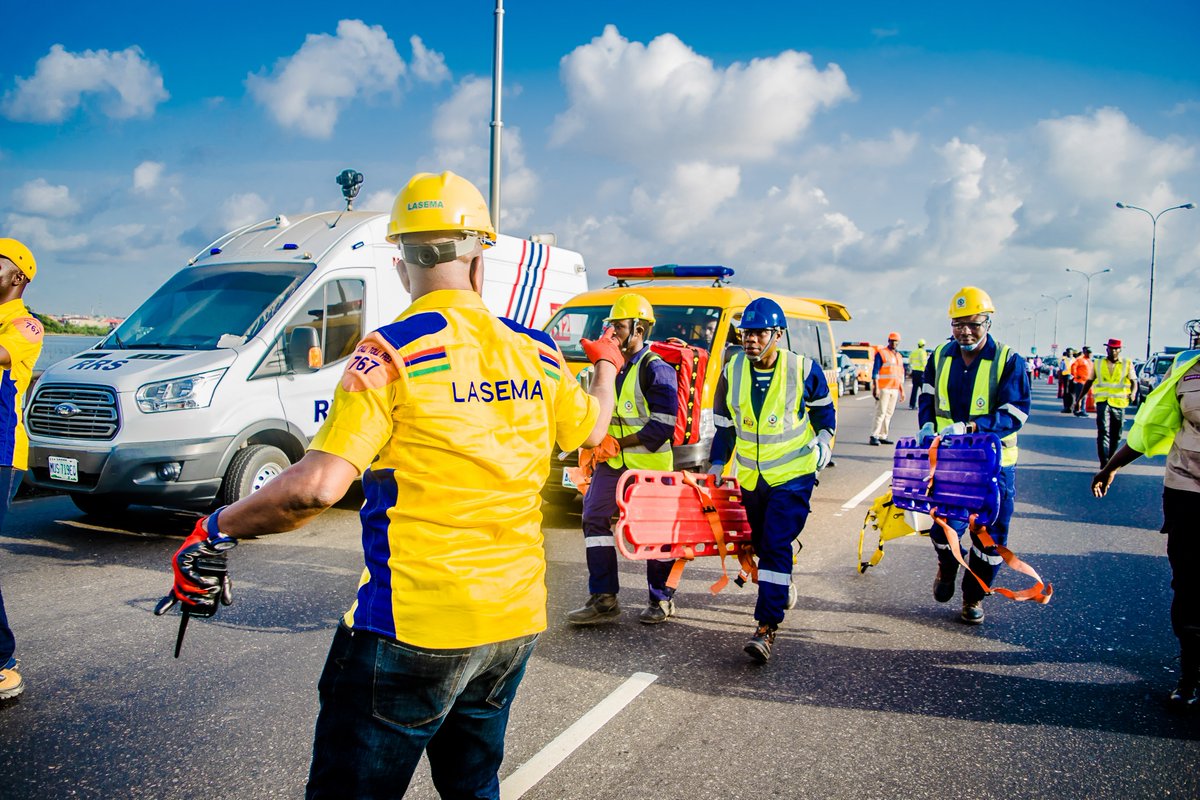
[718, 273]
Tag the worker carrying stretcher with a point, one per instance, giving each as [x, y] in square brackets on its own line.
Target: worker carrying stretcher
[774, 414]
[973, 384]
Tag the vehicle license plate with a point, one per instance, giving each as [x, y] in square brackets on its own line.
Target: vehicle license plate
[64, 469]
[567, 481]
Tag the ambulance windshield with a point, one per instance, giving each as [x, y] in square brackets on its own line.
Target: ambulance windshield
[696, 325]
[200, 306]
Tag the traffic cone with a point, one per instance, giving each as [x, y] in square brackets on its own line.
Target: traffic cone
[1090, 406]
[1050, 379]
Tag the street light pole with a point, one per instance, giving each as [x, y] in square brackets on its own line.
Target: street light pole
[1087, 303]
[1056, 301]
[497, 123]
[1153, 240]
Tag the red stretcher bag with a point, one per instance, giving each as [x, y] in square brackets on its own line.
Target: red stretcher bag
[690, 364]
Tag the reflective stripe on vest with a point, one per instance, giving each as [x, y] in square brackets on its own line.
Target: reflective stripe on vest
[631, 415]
[780, 446]
[1112, 383]
[983, 395]
[891, 369]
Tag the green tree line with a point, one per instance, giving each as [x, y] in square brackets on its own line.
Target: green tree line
[54, 326]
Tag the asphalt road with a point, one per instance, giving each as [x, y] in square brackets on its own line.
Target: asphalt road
[875, 690]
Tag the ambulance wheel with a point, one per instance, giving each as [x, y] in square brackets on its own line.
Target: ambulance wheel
[854, 388]
[98, 505]
[793, 596]
[250, 470]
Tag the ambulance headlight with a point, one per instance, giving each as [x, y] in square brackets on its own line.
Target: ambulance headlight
[191, 391]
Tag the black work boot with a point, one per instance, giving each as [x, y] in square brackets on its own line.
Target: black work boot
[972, 612]
[1186, 696]
[943, 583]
[658, 611]
[599, 608]
[759, 646]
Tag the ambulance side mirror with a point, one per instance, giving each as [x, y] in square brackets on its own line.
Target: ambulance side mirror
[303, 352]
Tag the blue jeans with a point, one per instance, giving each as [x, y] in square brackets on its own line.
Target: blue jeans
[777, 515]
[384, 702]
[10, 479]
[984, 561]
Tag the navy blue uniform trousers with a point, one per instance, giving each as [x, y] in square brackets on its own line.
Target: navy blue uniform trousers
[599, 509]
[777, 515]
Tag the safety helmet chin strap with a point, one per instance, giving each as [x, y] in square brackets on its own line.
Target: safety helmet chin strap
[775, 336]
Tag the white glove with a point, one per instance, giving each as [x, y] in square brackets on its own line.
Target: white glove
[824, 449]
[926, 432]
[953, 429]
[824, 453]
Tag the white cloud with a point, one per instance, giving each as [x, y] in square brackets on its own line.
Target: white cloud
[460, 148]
[1103, 154]
[242, 209]
[308, 91]
[642, 102]
[43, 237]
[124, 83]
[376, 201]
[147, 175]
[687, 202]
[43, 199]
[427, 65]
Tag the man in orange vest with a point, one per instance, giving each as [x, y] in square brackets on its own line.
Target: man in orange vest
[1082, 375]
[887, 387]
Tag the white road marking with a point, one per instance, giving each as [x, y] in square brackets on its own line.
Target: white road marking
[550, 756]
[871, 487]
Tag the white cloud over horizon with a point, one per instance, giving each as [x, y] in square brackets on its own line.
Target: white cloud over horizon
[124, 84]
[40, 198]
[637, 102]
[307, 91]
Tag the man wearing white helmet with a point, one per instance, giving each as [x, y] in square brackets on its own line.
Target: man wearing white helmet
[917, 360]
[973, 383]
[448, 413]
[20, 346]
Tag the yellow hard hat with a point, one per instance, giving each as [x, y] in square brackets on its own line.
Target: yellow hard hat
[969, 301]
[20, 255]
[631, 306]
[920, 342]
[445, 202]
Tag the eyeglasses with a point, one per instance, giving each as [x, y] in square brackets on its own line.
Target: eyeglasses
[763, 333]
[965, 326]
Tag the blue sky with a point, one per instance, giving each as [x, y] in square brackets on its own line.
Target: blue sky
[880, 157]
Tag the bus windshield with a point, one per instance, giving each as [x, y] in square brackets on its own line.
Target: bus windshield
[200, 305]
[696, 325]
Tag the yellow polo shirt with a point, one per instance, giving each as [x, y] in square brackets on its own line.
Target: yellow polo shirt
[21, 336]
[452, 414]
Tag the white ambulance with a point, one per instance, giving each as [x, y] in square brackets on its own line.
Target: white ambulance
[219, 380]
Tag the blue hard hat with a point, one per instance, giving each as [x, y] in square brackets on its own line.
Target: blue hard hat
[762, 313]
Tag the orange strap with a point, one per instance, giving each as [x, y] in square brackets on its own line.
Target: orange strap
[1039, 592]
[933, 452]
[714, 522]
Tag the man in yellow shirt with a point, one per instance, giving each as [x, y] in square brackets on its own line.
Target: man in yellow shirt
[450, 414]
[20, 345]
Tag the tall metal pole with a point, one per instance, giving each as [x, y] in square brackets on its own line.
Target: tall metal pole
[1087, 303]
[1056, 301]
[497, 124]
[1153, 240]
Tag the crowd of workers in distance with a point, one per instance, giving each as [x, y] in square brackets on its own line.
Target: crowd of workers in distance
[429, 656]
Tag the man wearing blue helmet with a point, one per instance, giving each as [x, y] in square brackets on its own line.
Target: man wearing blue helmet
[774, 411]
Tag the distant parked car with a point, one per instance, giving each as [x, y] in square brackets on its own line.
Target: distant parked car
[1153, 370]
[863, 356]
[847, 375]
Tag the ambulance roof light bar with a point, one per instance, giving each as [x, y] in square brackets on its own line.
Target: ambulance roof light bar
[718, 273]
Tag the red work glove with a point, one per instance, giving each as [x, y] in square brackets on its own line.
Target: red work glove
[606, 348]
[201, 572]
